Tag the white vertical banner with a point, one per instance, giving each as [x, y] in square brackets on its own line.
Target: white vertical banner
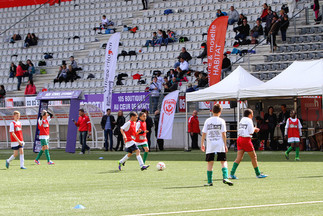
[110, 68]
[167, 114]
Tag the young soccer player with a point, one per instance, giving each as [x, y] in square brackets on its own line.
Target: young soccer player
[43, 126]
[244, 144]
[215, 131]
[128, 131]
[141, 138]
[293, 132]
[17, 140]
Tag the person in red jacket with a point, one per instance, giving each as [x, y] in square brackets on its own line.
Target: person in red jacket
[19, 74]
[30, 88]
[194, 129]
[84, 126]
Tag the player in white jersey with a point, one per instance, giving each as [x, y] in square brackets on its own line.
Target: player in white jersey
[214, 131]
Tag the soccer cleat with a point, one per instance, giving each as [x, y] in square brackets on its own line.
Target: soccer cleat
[226, 181]
[50, 163]
[297, 159]
[208, 185]
[286, 156]
[144, 167]
[23, 167]
[262, 176]
[37, 162]
[119, 166]
[81, 153]
[89, 151]
[7, 164]
[233, 177]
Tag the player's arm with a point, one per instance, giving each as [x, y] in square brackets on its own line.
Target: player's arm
[202, 142]
[224, 137]
[89, 126]
[138, 130]
[125, 127]
[40, 121]
[300, 128]
[286, 129]
[15, 136]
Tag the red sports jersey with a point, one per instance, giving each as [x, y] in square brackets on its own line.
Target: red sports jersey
[131, 133]
[17, 129]
[293, 130]
[141, 138]
[43, 128]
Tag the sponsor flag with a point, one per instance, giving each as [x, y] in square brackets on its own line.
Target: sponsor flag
[215, 48]
[166, 119]
[110, 68]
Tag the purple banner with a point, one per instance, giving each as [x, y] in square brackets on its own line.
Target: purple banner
[59, 95]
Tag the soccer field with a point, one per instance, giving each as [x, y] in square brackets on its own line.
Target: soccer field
[104, 190]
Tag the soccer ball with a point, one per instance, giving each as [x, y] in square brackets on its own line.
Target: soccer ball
[161, 166]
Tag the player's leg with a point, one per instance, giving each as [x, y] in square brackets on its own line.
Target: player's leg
[236, 164]
[145, 153]
[22, 158]
[224, 165]
[297, 151]
[139, 158]
[254, 162]
[291, 147]
[46, 150]
[209, 158]
[40, 153]
[125, 158]
[12, 157]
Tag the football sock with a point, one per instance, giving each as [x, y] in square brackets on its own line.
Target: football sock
[297, 152]
[139, 158]
[39, 154]
[234, 168]
[124, 159]
[225, 172]
[209, 176]
[145, 157]
[22, 160]
[11, 158]
[47, 155]
[289, 150]
[257, 171]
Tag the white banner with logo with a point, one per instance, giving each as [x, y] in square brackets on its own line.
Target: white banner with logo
[110, 68]
[167, 114]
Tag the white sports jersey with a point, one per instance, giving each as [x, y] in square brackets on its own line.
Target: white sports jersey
[214, 127]
[246, 128]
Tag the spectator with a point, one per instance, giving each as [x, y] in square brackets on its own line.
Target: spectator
[125, 28]
[185, 55]
[28, 40]
[264, 13]
[71, 74]
[34, 40]
[74, 64]
[160, 142]
[152, 42]
[13, 69]
[204, 53]
[145, 4]
[172, 73]
[202, 81]
[282, 118]
[243, 30]
[174, 85]
[284, 26]
[182, 68]
[160, 39]
[57, 79]
[154, 89]
[166, 85]
[263, 130]
[149, 126]
[316, 9]
[233, 16]
[219, 13]
[63, 75]
[194, 129]
[271, 119]
[226, 65]
[2, 92]
[84, 125]
[269, 19]
[105, 22]
[15, 38]
[121, 120]
[107, 124]
[273, 32]
[256, 30]
[160, 79]
[30, 88]
[19, 74]
[190, 88]
[170, 37]
[31, 69]
[240, 21]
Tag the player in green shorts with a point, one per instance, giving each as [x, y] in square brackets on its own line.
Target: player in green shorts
[141, 138]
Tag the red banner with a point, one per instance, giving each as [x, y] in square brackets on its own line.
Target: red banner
[311, 109]
[19, 3]
[215, 48]
[182, 103]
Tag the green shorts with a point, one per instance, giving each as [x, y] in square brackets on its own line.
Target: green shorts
[44, 142]
[142, 146]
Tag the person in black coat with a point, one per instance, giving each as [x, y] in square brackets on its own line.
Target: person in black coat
[108, 123]
[160, 142]
[271, 119]
[121, 120]
[150, 125]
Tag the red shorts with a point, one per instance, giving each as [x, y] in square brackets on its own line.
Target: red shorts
[244, 143]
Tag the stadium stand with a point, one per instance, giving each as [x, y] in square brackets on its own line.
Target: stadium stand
[67, 30]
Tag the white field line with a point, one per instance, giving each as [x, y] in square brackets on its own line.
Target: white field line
[228, 208]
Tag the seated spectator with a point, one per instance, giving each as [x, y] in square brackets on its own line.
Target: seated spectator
[166, 85]
[13, 69]
[219, 13]
[63, 74]
[174, 85]
[172, 73]
[233, 16]
[190, 88]
[74, 66]
[243, 30]
[160, 38]
[264, 13]
[34, 40]
[125, 28]
[204, 53]
[185, 55]
[15, 38]
[226, 65]
[2, 91]
[28, 40]
[58, 75]
[202, 81]
[256, 31]
[269, 19]
[105, 22]
[170, 37]
[152, 42]
[284, 23]
[274, 28]
[155, 89]
[30, 88]
[182, 68]
[31, 69]
[71, 74]
[240, 20]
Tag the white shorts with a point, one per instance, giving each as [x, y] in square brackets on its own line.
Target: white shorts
[293, 139]
[130, 143]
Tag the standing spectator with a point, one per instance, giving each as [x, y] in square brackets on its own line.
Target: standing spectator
[31, 69]
[84, 126]
[269, 19]
[145, 4]
[263, 130]
[316, 9]
[274, 28]
[243, 30]
[160, 79]
[121, 120]
[153, 41]
[154, 89]
[149, 126]
[256, 31]
[219, 13]
[284, 26]
[2, 91]
[108, 123]
[160, 142]
[185, 55]
[13, 69]
[271, 119]
[226, 65]
[194, 129]
[233, 16]
[264, 12]
[282, 119]
[19, 74]
[30, 88]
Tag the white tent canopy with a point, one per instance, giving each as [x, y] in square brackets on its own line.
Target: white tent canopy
[227, 89]
[303, 78]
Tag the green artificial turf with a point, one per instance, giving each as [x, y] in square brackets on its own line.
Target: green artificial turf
[103, 190]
